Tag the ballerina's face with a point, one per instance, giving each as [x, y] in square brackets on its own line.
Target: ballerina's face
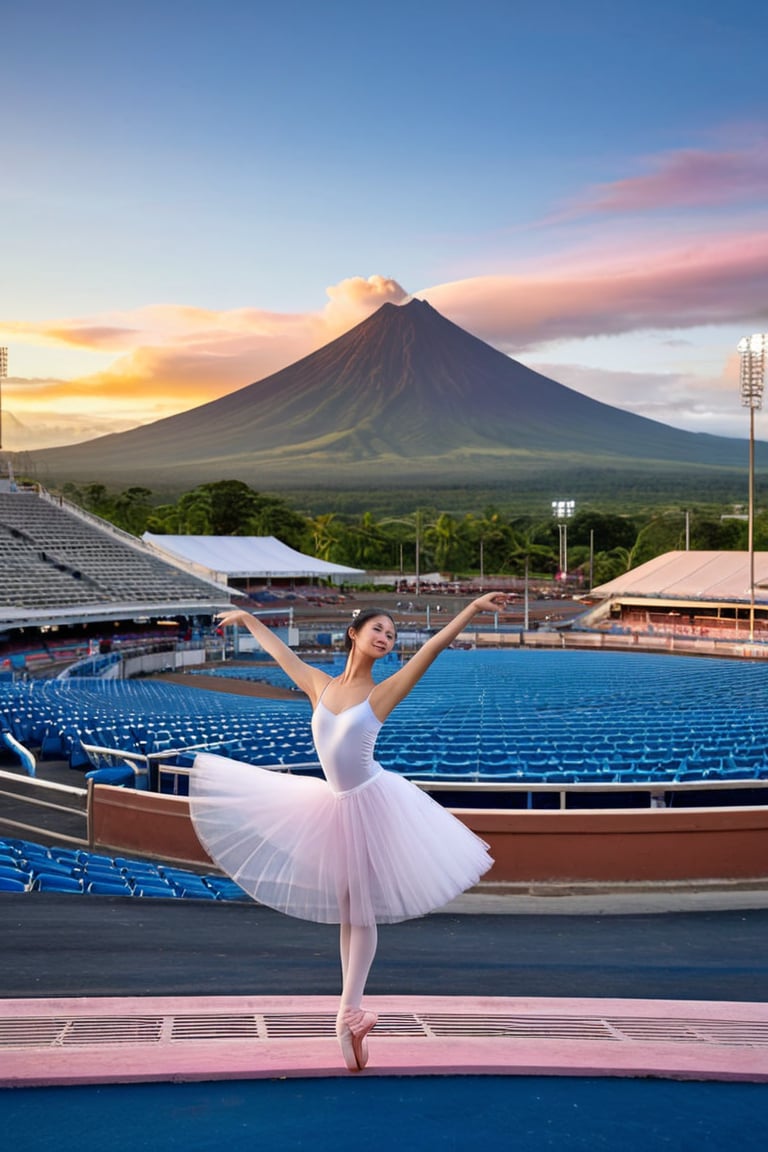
[376, 636]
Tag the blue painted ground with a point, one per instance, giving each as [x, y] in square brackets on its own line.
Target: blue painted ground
[453, 1114]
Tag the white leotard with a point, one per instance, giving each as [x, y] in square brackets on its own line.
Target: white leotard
[345, 741]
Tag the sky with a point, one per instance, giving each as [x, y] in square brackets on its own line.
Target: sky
[196, 194]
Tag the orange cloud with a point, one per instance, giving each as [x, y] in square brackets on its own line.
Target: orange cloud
[91, 336]
[350, 301]
[355, 298]
[171, 357]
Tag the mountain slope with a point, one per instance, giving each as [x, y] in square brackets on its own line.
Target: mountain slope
[406, 394]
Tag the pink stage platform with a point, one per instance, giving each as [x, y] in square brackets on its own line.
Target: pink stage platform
[144, 1039]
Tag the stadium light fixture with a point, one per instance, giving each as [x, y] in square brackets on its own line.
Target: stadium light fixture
[562, 510]
[752, 351]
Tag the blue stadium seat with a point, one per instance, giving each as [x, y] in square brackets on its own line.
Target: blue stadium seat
[195, 892]
[226, 889]
[154, 887]
[10, 872]
[12, 884]
[119, 776]
[56, 882]
[108, 888]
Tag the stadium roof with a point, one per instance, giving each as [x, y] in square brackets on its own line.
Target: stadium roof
[691, 576]
[246, 556]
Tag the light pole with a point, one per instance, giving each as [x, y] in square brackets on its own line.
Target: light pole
[562, 510]
[416, 524]
[526, 622]
[3, 376]
[751, 381]
[417, 518]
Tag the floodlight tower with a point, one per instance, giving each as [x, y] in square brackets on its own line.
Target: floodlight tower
[752, 381]
[3, 376]
[562, 510]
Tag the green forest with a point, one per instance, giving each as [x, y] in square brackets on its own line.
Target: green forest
[598, 545]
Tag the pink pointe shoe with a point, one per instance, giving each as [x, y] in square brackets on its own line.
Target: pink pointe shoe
[352, 1027]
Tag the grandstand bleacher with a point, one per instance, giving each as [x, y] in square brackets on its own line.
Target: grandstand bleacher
[517, 716]
[57, 559]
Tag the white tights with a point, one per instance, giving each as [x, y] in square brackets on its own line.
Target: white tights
[358, 948]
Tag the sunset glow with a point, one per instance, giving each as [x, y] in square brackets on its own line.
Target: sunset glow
[611, 234]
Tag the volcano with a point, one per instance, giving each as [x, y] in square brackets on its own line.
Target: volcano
[404, 397]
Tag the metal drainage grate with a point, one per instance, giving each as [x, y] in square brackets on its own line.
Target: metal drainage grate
[693, 1031]
[80, 1031]
[524, 1027]
[227, 1026]
[661, 1029]
[95, 1031]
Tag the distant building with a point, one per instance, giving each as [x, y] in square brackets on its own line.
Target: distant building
[685, 593]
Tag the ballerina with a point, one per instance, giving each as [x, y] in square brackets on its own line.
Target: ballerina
[362, 846]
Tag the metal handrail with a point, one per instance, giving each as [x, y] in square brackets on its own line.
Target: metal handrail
[585, 786]
[35, 801]
[35, 782]
[655, 788]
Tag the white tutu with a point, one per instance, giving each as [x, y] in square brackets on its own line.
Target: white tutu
[381, 851]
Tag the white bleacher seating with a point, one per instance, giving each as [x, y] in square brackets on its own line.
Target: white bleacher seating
[52, 558]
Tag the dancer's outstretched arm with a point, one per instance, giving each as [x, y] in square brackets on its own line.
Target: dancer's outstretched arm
[395, 688]
[308, 679]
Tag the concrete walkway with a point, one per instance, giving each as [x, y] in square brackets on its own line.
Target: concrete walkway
[667, 983]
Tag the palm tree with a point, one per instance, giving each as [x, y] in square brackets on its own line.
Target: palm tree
[443, 539]
[367, 544]
[413, 521]
[493, 541]
[609, 565]
[324, 537]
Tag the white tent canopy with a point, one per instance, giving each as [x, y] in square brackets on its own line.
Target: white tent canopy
[691, 576]
[246, 557]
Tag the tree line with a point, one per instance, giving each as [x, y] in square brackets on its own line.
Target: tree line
[599, 545]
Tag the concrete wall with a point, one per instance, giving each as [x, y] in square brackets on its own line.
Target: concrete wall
[161, 661]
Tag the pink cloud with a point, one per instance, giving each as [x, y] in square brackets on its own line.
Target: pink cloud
[690, 177]
[715, 281]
